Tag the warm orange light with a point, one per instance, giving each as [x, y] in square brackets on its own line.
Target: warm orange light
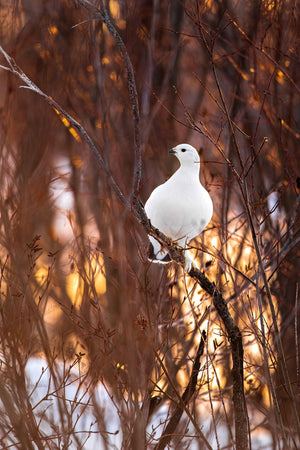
[41, 275]
[95, 275]
[77, 161]
[53, 30]
[74, 288]
[280, 77]
[113, 76]
[114, 9]
[67, 124]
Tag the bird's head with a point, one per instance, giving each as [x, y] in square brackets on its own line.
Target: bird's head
[186, 154]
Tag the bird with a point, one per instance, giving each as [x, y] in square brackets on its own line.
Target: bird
[180, 208]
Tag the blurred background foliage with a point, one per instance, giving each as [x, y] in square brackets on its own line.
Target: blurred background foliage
[76, 285]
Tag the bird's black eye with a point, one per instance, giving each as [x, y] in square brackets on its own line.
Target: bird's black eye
[183, 149]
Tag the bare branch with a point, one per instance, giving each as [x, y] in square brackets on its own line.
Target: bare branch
[176, 254]
[186, 396]
[13, 68]
[237, 352]
[102, 14]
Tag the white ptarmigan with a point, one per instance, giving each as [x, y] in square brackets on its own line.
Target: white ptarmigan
[181, 207]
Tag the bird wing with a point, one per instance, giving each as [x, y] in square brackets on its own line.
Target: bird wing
[180, 213]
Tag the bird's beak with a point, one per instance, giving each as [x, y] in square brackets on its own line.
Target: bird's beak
[172, 151]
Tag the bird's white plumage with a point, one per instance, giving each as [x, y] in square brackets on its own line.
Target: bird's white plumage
[181, 207]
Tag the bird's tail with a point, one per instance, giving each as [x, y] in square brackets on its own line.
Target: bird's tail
[156, 253]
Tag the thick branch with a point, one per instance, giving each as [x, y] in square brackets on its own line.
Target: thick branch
[176, 253]
[236, 343]
[186, 396]
[233, 332]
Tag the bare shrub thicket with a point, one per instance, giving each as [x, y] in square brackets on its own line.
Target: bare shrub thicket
[99, 347]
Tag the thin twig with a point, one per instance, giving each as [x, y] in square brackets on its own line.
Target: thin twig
[176, 253]
[186, 396]
[13, 68]
[183, 401]
[236, 343]
[271, 386]
[263, 52]
[102, 14]
[244, 192]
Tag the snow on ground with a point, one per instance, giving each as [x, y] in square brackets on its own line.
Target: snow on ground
[45, 399]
